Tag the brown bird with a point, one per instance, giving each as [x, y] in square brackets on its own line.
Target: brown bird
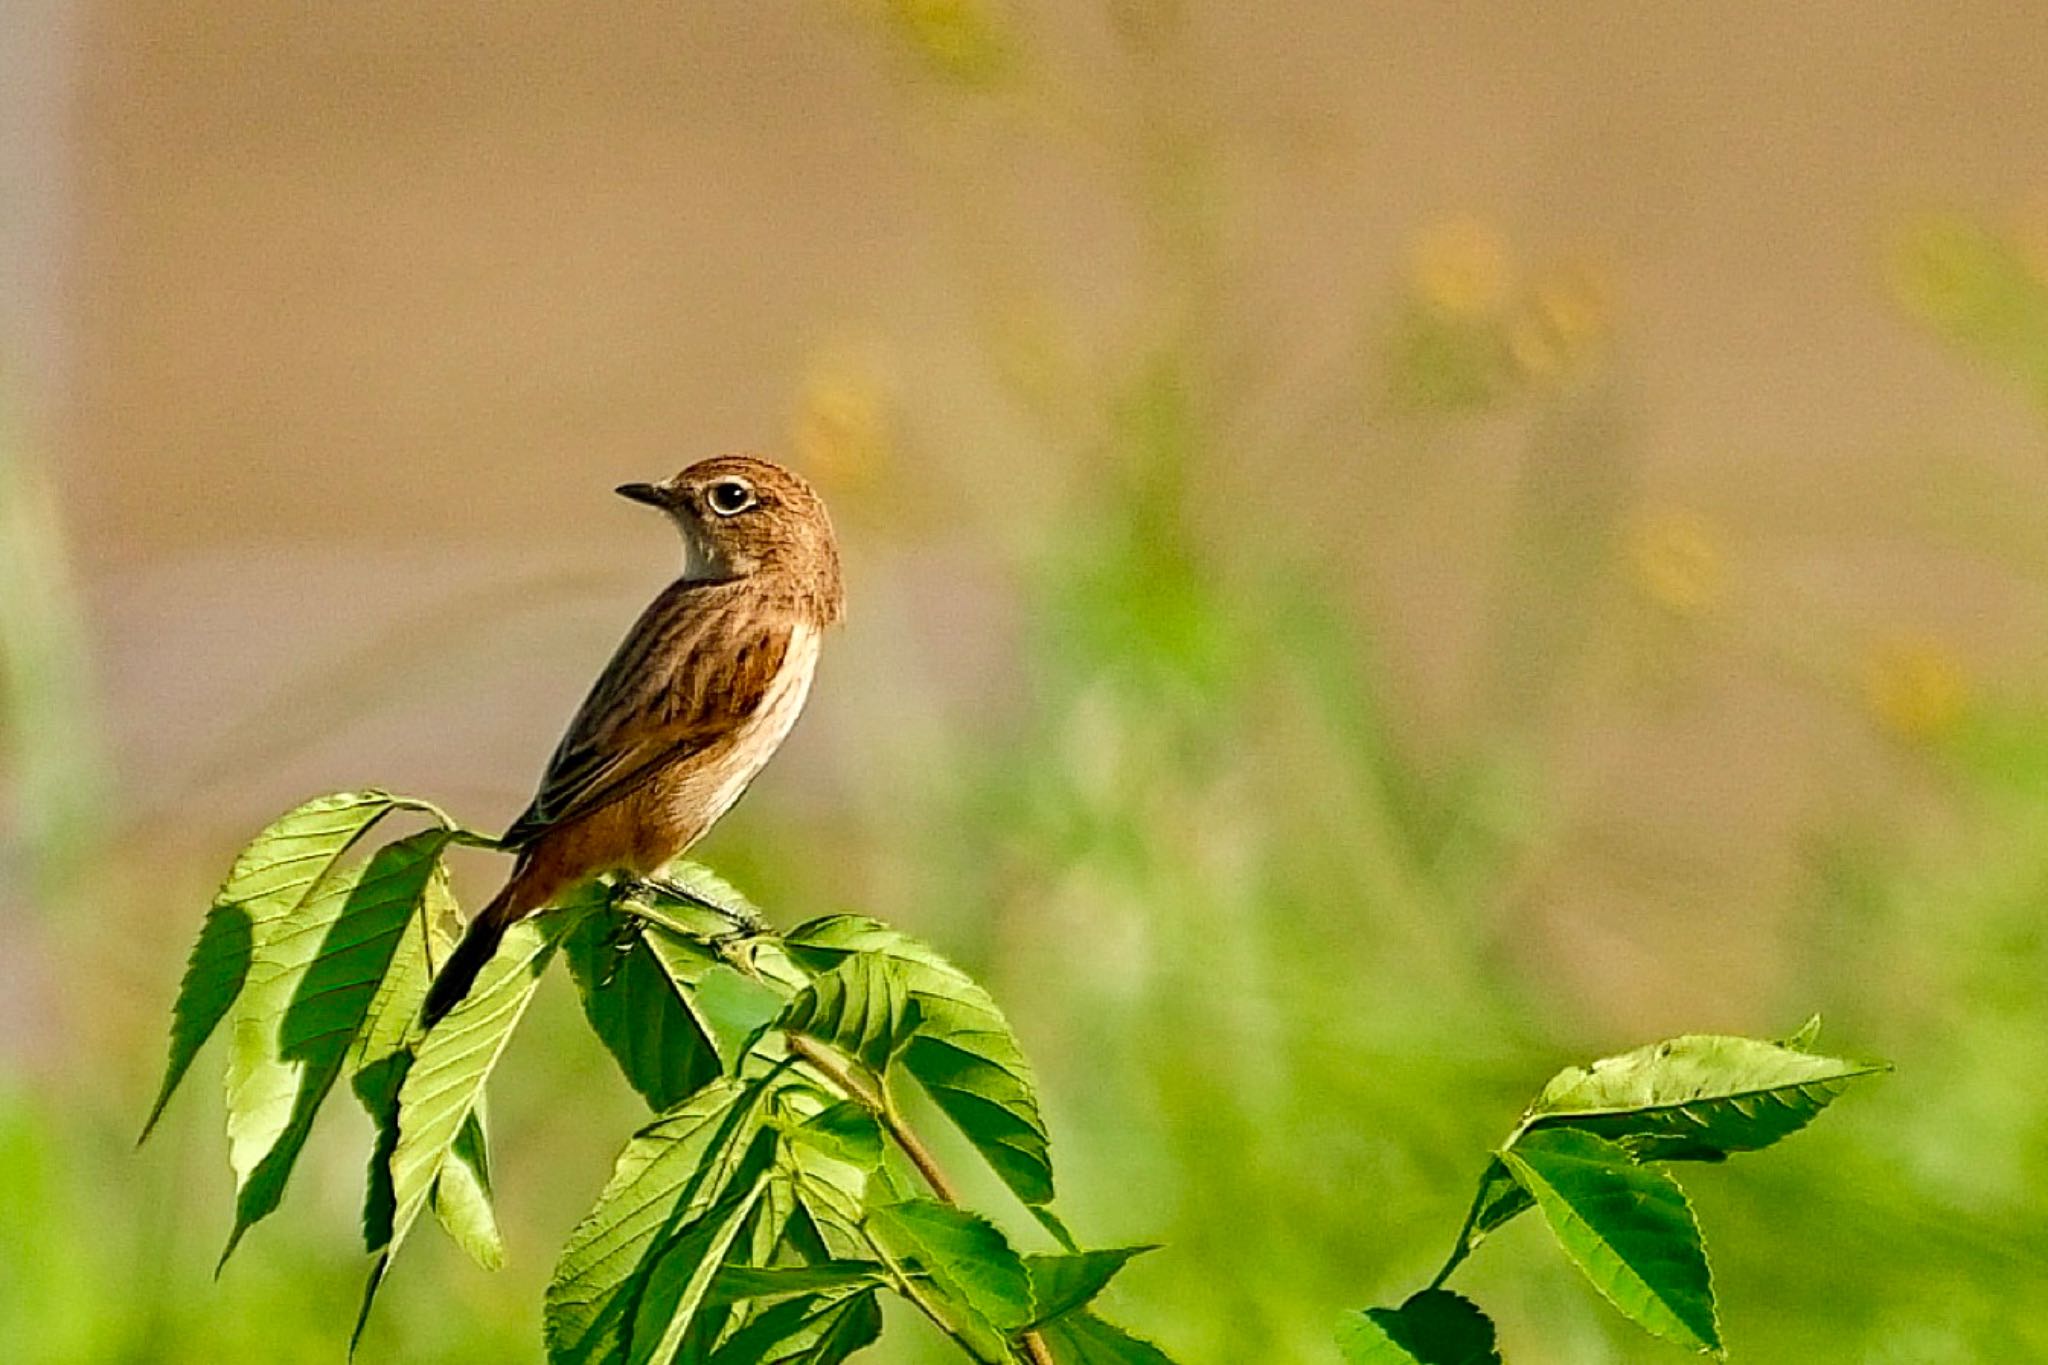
[697, 698]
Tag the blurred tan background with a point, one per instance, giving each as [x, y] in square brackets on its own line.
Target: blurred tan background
[331, 329]
[396, 294]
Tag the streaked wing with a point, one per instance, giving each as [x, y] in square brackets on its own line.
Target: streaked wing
[698, 662]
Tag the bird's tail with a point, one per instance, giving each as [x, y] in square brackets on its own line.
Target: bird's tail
[479, 943]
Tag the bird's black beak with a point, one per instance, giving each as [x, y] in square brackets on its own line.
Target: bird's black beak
[652, 494]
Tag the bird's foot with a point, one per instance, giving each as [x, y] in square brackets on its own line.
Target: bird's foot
[745, 923]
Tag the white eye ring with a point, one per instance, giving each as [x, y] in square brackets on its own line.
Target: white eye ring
[730, 497]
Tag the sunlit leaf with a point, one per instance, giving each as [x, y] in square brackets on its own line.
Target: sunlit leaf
[444, 1086]
[1627, 1226]
[673, 1169]
[681, 1276]
[462, 1197]
[862, 1006]
[383, 1049]
[276, 872]
[963, 1054]
[1699, 1097]
[985, 1288]
[378, 1061]
[831, 1198]
[312, 981]
[696, 882]
[1435, 1327]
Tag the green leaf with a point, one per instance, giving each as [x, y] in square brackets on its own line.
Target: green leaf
[384, 1045]
[274, 873]
[810, 1331]
[637, 1010]
[1053, 1226]
[862, 1006]
[462, 1197]
[445, 1083]
[1696, 1098]
[985, 1289]
[674, 1168]
[1627, 1226]
[1083, 1339]
[1060, 1284]
[1435, 1327]
[681, 1276]
[311, 984]
[831, 1197]
[765, 1284]
[963, 1053]
[696, 882]
[731, 1010]
[846, 1131]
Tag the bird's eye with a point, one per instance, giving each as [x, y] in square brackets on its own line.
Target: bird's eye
[729, 497]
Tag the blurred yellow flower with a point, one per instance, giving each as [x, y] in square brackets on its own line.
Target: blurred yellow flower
[1939, 267]
[2030, 233]
[1915, 688]
[1677, 562]
[1461, 266]
[842, 429]
[960, 39]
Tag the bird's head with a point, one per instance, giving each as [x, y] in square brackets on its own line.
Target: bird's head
[747, 518]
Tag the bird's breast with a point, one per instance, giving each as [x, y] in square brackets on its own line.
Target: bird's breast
[695, 795]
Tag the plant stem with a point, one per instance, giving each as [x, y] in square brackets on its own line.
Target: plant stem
[876, 1101]
[885, 1113]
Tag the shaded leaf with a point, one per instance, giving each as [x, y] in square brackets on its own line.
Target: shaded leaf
[1060, 1284]
[681, 1275]
[963, 1053]
[312, 980]
[738, 1283]
[1699, 1097]
[274, 872]
[636, 1010]
[1627, 1226]
[731, 1010]
[846, 1131]
[1081, 1338]
[810, 1331]
[1435, 1327]
[985, 1290]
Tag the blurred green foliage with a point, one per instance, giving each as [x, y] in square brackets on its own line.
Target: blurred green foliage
[1263, 953]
